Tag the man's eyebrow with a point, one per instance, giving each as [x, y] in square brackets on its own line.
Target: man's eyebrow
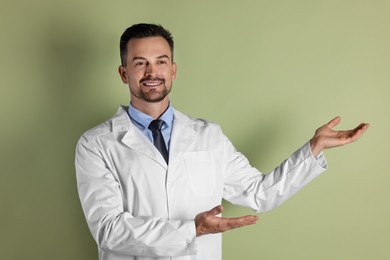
[159, 57]
[163, 56]
[138, 58]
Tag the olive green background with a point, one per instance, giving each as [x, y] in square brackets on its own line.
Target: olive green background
[270, 72]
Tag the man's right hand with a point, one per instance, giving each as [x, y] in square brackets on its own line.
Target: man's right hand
[208, 223]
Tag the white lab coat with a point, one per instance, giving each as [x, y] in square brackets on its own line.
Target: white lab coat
[137, 207]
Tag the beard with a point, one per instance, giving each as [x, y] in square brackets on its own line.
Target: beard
[152, 95]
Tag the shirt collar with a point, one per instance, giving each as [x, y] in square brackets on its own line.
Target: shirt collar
[143, 120]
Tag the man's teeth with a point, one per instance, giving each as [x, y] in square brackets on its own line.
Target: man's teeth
[151, 84]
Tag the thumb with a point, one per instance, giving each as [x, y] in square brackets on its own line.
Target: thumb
[332, 123]
[216, 210]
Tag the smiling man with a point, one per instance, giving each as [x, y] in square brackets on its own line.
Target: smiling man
[149, 70]
[151, 180]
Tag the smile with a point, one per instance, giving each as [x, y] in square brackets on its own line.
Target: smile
[152, 83]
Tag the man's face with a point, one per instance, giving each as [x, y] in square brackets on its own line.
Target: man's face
[149, 70]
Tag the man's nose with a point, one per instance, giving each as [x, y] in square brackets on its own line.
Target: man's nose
[150, 70]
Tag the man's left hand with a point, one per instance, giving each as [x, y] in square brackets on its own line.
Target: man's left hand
[325, 137]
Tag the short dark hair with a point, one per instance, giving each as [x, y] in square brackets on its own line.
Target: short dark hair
[143, 30]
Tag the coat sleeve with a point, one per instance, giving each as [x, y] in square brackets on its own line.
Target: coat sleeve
[113, 228]
[246, 186]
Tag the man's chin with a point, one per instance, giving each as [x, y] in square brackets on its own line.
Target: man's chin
[157, 100]
[154, 98]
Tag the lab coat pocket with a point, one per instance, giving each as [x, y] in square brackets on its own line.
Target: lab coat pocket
[201, 172]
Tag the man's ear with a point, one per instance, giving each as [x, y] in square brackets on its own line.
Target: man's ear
[123, 74]
[174, 69]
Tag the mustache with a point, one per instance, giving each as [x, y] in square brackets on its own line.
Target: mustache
[151, 78]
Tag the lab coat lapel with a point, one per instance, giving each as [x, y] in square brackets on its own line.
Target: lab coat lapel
[182, 137]
[134, 139]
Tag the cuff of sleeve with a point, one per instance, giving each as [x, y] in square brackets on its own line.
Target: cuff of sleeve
[191, 237]
[320, 158]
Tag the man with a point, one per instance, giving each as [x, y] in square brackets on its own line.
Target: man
[152, 189]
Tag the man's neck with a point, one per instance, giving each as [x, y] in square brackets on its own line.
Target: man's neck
[154, 110]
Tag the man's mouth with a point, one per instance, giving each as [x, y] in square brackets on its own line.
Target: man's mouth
[152, 82]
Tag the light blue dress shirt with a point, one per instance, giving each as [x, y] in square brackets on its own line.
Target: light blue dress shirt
[142, 121]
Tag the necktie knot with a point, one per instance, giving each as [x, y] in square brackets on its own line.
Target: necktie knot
[156, 124]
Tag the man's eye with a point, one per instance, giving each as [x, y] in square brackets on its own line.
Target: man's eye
[139, 63]
[162, 62]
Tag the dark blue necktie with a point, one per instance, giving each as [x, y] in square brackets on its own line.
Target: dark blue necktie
[158, 139]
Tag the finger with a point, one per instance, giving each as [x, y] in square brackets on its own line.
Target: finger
[363, 126]
[335, 121]
[239, 224]
[355, 134]
[360, 130]
[243, 219]
[215, 211]
[357, 131]
[359, 127]
[248, 220]
[230, 223]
